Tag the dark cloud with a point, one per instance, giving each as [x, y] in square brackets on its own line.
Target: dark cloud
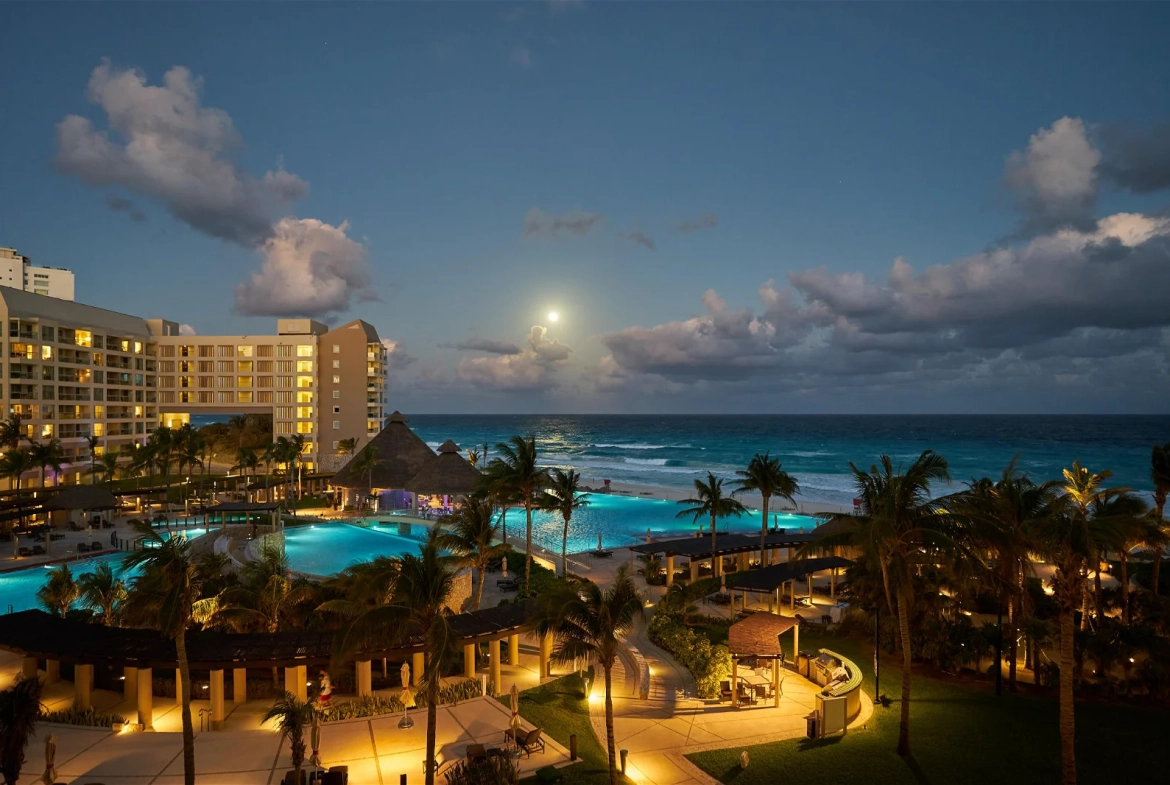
[483, 345]
[577, 223]
[531, 369]
[397, 357]
[708, 221]
[1135, 159]
[1054, 180]
[640, 238]
[118, 204]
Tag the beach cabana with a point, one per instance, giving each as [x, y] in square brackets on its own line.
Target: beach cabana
[758, 637]
[402, 456]
[447, 477]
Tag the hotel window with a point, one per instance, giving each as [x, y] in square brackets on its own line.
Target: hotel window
[264, 366]
[166, 351]
[138, 411]
[99, 358]
[304, 427]
[336, 349]
[47, 431]
[83, 338]
[223, 381]
[99, 377]
[168, 366]
[186, 397]
[243, 351]
[337, 425]
[284, 397]
[284, 412]
[337, 410]
[225, 351]
[304, 412]
[47, 353]
[206, 397]
[284, 427]
[99, 429]
[125, 345]
[243, 381]
[206, 381]
[138, 347]
[284, 350]
[206, 350]
[284, 381]
[99, 394]
[225, 397]
[337, 363]
[226, 366]
[304, 366]
[47, 333]
[336, 379]
[263, 397]
[185, 366]
[244, 396]
[186, 381]
[305, 396]
[166, 397]
[336, 446]
[304, 381]
[336, 394]
[263, 351]
[206, 366]
[263, 381]
[138, 364]
[284, 366]
[244, 366]
[305, 350]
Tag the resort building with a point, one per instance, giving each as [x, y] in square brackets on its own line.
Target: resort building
[325, 385]
[18, 272]
[75, 371]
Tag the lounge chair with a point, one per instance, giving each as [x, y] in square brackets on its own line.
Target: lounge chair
[602, 554]
[82, 547]
[24, 552]
[508, 584]
[527, 741]
[343, 775]
[38, 550]
[97, 546]
[724, 691]
[476, 752]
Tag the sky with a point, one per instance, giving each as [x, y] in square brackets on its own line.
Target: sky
[732, 208]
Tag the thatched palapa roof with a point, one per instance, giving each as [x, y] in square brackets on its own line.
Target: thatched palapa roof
[82, 497]
[449, 474]
[403, 455]
[756, 636]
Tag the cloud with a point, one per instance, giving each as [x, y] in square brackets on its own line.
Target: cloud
[397, 357]
[1054, 179]
[118, 204]
[707, 221]
[483, 345]
[532, 369]
[638, 237]
[309, 268]
[577, 223]
[522, 57]
[162, 143]
[1136, 160]
[186, 329]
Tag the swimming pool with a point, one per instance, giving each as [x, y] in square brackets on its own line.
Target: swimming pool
[328, 548]
[18, 589]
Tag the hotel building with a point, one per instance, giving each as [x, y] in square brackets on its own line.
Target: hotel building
[75, 371]
[18, 272]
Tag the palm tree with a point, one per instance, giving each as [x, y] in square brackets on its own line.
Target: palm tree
[901, 528]
[47, 455]
[417, 611]
[711, 500]
[1160, 476]
[162, 449]
[270, 456]
[108, 464]
[588, 625]
[472, 538]
[765, 477]
[564, 490]
[1128, 516]
[102, 590]
[293, 717]
[267, 600]
[347, 446]
[167, 592]
[297, 448]
[14, 464]
[1069, 539]
[11, 432]
[20, 708]
[365, 464]
[516, 472]
[237, 427]
[59, 592]
[473, 456]
[93, 442]
[246, 461]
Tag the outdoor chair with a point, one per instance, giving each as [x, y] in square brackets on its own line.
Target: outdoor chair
[82, 547]
[526, 741]
[290, 777]
[724, 691]
[38, 550]
[762, 692]
[508, 584]
[97, 546]
[24, 552]
[341, 770]
[476, 752]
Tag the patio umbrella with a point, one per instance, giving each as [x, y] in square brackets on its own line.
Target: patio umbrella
[515, 707]
[406, 696]
[315, 741]
[723, 583]
[504, 565]
[599, 542]
[50, 753]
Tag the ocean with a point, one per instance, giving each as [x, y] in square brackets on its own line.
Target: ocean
[672, 451]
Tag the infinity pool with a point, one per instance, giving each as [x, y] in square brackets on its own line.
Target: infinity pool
[18, 589]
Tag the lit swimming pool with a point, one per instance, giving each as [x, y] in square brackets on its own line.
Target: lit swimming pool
[328, 548]
[18, 589]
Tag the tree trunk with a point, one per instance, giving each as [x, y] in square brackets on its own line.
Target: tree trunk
[904, 628]
[611, 746]
[527, 546]
[432, 711]
[1014, 644]
[1158, 552]
[479, 588]
[764, 533]
[1097, 597]
[565, 550]
[714, 570]
[188, 729]
[1068, 762]
[1125, 585]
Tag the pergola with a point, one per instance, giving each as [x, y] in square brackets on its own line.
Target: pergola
[698, 549]
[771, 580]
[224, 509]
[758, 637]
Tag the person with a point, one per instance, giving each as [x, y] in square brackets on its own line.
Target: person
[326, 694]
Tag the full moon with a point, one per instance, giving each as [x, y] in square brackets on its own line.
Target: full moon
[553, 316]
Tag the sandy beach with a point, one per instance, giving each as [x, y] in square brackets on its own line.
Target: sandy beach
[751, 500]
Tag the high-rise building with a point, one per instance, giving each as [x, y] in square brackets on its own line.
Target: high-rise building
[18, 272]
[75, 371]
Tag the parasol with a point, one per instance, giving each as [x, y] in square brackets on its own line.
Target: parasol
[504, 565]
[315, 741]
[407, 698]
[515, 708]
[50, 753]
[599, 542]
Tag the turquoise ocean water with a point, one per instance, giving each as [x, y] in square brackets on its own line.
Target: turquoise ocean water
[673, 450]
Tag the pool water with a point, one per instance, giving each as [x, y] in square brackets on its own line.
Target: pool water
[18, 589]
[328, 548]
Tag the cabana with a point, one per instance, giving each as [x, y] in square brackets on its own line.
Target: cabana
[447, 477]
[698, 549]
[758, 637]
[771, 580]
[402, 455]
[234, 510]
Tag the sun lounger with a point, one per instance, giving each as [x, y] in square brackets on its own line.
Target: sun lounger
[97, 546]
[508, 584]
[38, 550]
[527, 741]
[82, 547]
[601, 554]
[24, 552]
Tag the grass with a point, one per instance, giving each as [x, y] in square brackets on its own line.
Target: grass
[560, 709]
[960, 733]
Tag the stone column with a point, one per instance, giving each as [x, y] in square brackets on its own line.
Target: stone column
[546, 644]
[469, 661]
[179, 687]
[83, 686]
[295, 677]
[743, 561]
[494, 656]
[514, 650]
[669, 570]
[775, 556]
[145, 682]
[52, 671]
[130, 685]
[217, 713]
[239, 685]
[776, 682]
[694, 571]
[418, 663]
[29, 667]
[363, 679]
[735, 682]
[290, 679]
[796, 644]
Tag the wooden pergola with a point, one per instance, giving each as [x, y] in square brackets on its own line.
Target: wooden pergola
[758, 637]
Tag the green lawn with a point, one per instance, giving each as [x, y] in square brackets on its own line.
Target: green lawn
[960, 733]
[560, 709]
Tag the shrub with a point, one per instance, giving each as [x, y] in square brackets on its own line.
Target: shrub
[708, 664]
[493, 770]
[375, 705]
[88, 717]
